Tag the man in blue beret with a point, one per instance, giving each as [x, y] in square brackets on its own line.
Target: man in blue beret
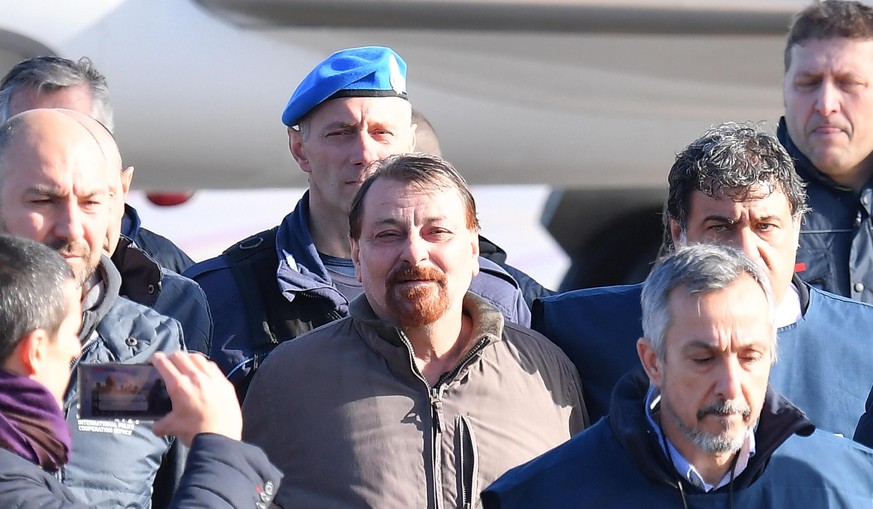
[348, 112]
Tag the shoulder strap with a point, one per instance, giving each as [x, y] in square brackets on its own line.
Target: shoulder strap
[253, 263]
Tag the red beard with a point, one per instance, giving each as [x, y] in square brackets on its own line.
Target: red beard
[416, 305]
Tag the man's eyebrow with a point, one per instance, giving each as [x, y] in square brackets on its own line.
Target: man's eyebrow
[340, 124]
[48, 190]
[392, 221]
[766, 218]
[721, 218]
[699, 344]
[45, 190]
[387, 221]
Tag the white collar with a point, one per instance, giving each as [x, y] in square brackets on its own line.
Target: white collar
[683, 466]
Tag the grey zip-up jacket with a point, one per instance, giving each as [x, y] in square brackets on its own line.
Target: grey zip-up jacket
[347, 416]
[113, 463]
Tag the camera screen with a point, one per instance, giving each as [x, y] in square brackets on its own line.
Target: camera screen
[122, 391]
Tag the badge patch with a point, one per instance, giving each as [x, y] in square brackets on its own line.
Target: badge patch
[395, 77]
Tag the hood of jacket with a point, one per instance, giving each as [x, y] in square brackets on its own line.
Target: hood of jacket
[140, 273]
[300, 268]
[778, 421]
[130, 222]
[111, 279]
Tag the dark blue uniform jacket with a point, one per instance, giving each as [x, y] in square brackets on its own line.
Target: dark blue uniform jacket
[619, 462]
[825, 362]
[163, 250]
[836, 237]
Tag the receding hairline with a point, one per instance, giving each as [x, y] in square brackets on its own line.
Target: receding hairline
[35, 121]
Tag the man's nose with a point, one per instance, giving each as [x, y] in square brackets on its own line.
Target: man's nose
[729, 384]
[749, 243]
[370, 150]
[415, 250]
[828, 100]
[69, 224]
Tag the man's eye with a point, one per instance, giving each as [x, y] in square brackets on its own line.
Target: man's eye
[808, 84]
[852, 85]
[720, 228]
[439, 234]
[751, 357]
[702, 359]
[386, 235]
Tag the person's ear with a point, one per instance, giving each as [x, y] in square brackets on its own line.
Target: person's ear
[412, 137]
[126, 180]
[475, 237]
[649, 360]
[295, 144]
[356, 258]
[675, 232]
[29, 353]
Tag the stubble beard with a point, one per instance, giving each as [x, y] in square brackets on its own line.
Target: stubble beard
[729, 440]
[80, 250]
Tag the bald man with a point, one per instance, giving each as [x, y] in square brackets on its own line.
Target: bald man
[145, 260]
[57, 175]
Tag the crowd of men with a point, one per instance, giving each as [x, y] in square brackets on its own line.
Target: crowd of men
[384, 353]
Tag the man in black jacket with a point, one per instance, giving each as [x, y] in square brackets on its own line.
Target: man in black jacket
[828, 130]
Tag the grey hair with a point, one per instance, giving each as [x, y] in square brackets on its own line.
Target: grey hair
[697, 269]
[32, 278]
[50, 74]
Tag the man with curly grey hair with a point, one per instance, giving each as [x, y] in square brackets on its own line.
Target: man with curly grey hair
[698, 425]
[734, 186]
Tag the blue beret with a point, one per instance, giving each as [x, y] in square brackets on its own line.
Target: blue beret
[370, 71]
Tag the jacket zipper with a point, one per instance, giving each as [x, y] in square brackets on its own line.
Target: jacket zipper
[437, 392]
[468, 486]
[436, 407]
[75, 363]
[435, 399]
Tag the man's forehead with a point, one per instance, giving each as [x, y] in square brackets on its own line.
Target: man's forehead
[844, 54]
[47, 141]
[718, 307]
[353, 109]
[761, 199]
[389, 198]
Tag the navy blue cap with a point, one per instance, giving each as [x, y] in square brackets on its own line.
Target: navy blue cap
[369, 71]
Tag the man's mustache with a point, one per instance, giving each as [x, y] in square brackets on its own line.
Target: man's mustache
[405, 273]
[723, 408]
[69, 248]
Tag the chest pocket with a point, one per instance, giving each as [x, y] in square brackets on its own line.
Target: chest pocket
[815, 266]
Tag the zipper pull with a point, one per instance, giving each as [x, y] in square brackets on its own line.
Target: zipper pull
[436, 406]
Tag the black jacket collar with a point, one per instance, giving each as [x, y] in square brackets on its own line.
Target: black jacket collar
[779, 420]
